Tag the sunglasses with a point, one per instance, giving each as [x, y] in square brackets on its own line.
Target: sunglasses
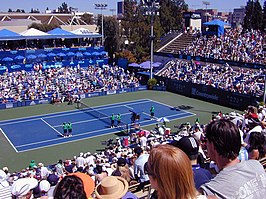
[147, 170]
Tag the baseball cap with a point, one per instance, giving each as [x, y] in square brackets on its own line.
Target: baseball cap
[189, 145]
[121, 162]
[23, 185]
[53, 179]
[44, 186]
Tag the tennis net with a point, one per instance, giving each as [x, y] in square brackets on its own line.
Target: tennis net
[101, 116]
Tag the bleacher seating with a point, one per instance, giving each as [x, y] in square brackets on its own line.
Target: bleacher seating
[178, 43]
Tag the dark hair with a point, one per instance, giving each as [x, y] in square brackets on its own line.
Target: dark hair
[225, 136]
[257, 141]
[70, 187]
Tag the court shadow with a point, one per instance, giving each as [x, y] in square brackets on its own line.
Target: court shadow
[181, 107]
[120, 134]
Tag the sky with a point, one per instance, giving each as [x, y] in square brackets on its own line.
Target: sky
[88, 5]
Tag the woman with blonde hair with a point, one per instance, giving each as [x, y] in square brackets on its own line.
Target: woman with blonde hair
[123, 170]
[170, 173]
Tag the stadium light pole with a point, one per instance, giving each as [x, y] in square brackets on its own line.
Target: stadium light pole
[206, 3]
[101, 6]
[150, 8]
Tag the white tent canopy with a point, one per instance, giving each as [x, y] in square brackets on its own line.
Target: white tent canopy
[33, 32]
[82, 31]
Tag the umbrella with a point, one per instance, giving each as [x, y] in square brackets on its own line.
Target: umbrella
[163, 119]
[7, 59]
[79, 54]
[61, 54]
[41, 55]
[51, 55]
[95, 54]
[31, 57]
[87, 54]
[103, 53]
[70, 54]
[19, 57]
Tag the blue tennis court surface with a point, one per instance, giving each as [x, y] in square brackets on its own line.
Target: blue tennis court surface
[30, 133]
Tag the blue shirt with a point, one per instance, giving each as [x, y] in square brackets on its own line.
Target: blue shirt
[139, 167]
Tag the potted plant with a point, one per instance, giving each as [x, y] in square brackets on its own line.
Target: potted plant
[151, 82]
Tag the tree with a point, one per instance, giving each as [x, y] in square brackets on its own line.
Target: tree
[64, 8]
[171, 14]
[253, 18]
[87, 18]
[10, 10]
[136, 27]
[111, 36]
[43, 27]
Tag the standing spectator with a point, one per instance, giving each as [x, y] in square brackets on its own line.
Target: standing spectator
[44, 171]
[170, 173]
[139, 163]
[80, 162]
[143, 141]
[90, 159]
[236, 179]
[190, 146]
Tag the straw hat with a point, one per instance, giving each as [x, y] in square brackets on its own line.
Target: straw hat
[111, 187]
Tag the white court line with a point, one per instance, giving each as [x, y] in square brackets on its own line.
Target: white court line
[88, 134]
[70, 111]
[9, 140]
[51, 127]
[63, 115]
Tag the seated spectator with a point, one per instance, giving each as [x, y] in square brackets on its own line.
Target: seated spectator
[122, 170]
[170, 173]
[190, 146]
[70, 186]
[234, 178]
[23, 188]
[87, 181]
[256, 145]
[5, 191]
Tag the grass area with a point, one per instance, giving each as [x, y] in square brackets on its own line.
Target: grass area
[17, 161]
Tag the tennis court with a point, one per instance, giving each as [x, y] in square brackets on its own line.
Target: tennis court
[41, 131]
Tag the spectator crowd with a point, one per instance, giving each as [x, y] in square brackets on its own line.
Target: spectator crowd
[197, 159]
[223, 77]
[62, 83]
[235, 45]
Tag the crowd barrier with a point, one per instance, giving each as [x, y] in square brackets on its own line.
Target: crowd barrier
[208, 93]
[82, 96]
[212, 60]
